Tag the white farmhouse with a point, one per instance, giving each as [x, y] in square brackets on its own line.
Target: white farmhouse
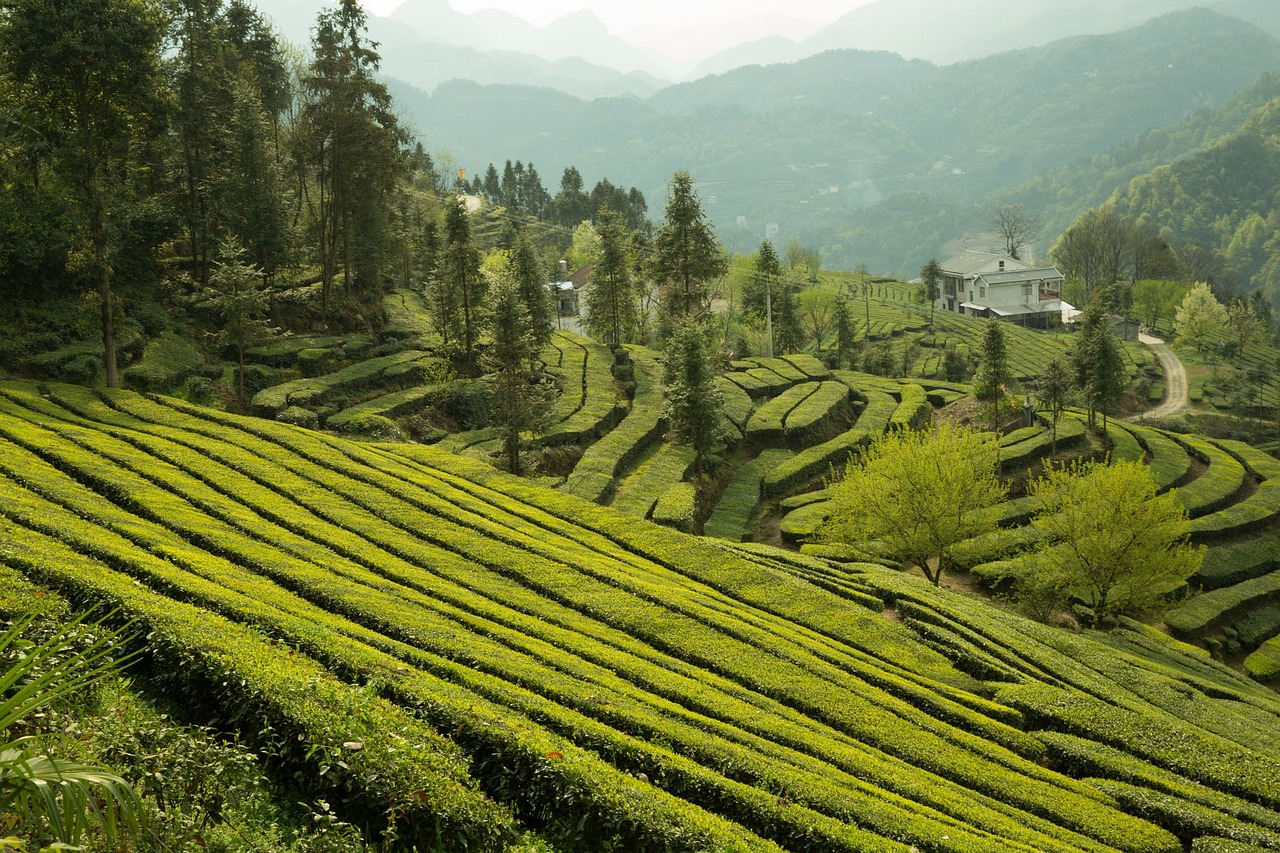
[982, 284]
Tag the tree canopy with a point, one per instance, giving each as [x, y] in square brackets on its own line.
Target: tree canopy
[1113, 541]
[916, 494]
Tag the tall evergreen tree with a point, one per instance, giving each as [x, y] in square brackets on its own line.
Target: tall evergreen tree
[1054, 390]
[766, 273]
[89, 73]
[352, 141]
[1098, 363]
[461, 285]
[521, 402]
[846, 340]
[610, 299]
[531, 281]
[686, 256]
[202, 75]
[993, 373]
[693, 399]
[241, 303]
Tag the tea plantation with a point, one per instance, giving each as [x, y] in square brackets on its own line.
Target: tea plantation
[456, 654]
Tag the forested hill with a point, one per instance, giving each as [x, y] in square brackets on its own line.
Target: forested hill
[906, 228]
[1223, 199]
[809, 144]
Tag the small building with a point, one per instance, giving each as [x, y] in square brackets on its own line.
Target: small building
[984, 284]
[567, 290]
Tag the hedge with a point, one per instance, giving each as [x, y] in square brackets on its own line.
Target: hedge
[1264, 663]
[166, 363]
[738, 501]
[620, 447]
[598, 408]
[283, 352]
[819, 460]
[767, 421]
[1160, 739]
[1217, 485]
[668, 465]
[555, 610]
[816, 413]
[677, 507]
[1169, 462]
[314, 391]
[1235, 562]
[737, 403]
[914, 411]
[1038, 443]
[394, 405]
[809, 365]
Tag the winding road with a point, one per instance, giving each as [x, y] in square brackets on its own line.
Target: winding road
[1175, 381]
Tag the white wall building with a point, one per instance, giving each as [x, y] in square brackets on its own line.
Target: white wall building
[982, 284]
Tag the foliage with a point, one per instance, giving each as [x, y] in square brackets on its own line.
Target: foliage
[459, 286]
[1098, 368]
[692, 396]
[242, 305]
[610, 294]
[521, 402]
[1054, 391]
[916, 492]
[931, 281]
[352, 140]
[43, 796]
[1201, 320]
[993, 376]
[686, 255]
[1116, 544]
[90, 71]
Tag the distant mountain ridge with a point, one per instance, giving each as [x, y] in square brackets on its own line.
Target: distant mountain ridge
[808, 145]
[946, 32]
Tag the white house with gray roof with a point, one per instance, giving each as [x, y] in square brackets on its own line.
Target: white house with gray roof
[983, 284]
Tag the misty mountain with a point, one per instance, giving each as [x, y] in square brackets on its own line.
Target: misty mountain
[946, 32]
[580, 35]
[809, 145]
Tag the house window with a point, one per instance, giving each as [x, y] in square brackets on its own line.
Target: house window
[1026, 292]
[982, 291]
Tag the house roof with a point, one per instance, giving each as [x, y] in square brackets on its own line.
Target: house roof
[1008, 276]
[967, 262]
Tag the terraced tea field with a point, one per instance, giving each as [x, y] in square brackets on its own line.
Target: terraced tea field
[464, 653]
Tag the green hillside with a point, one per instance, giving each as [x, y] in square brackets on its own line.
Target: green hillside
[483, 653]
[1222, 198]
[810, 144]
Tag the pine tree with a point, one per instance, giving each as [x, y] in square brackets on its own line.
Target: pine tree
[532, 284]
[1099, 373]
[993, 373]
[460, 285]
[521, 402]
[1054, 390]
[351, 139]
[931, 280]
[693, 399]
[846, 340]
[610, 300]
[687, 257]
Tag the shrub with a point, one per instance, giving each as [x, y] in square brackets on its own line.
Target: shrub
[373, 427]
[677, 507]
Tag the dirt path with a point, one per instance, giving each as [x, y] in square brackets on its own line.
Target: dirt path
[1175, 381]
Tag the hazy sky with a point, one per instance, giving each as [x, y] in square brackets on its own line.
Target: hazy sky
[679, 28]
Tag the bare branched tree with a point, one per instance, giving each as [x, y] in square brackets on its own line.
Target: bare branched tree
[1016, 225]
